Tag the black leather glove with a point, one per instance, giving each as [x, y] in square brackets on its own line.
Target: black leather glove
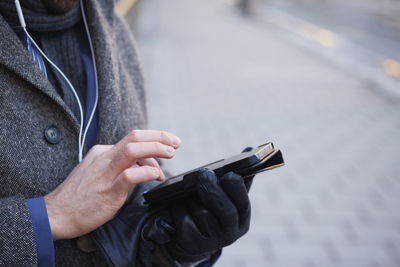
[188, 231]
[217, 218]
[118, 239]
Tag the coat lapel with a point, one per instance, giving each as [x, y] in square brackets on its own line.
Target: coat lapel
[16, 58]
[102, 13]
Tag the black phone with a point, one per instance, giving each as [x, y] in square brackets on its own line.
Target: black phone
[259, 159]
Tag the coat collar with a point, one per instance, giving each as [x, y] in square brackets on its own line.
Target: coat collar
[16, 58]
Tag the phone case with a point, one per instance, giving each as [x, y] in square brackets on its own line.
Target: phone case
[246, 164]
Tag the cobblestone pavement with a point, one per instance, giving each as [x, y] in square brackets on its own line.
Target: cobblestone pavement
[222, 82]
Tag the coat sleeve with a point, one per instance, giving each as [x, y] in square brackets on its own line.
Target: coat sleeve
[17, 240]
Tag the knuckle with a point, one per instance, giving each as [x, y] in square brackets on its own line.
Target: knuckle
[202, 212]
[96, 152]
[153, 162]
[208, 177]
[96, 149]
[132, 136]
[158, 148]
[233, 183]
[232, 177]
[126, 176]
[164, 137]
[128, 151]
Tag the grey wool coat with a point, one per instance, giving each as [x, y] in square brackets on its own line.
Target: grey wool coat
[32, 167]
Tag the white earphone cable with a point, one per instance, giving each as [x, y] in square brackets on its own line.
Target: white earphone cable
[73, 91]
[95, 75]
[82, 132]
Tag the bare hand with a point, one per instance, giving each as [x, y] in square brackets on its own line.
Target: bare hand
[98, 187]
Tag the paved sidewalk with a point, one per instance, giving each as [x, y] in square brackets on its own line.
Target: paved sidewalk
[222, 82]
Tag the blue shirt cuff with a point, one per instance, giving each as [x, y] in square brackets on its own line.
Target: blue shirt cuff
[42, 231]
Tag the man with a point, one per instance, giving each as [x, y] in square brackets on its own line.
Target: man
[47, 195]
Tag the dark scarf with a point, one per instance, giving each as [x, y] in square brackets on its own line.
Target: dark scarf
[38, 18]
[57, 36]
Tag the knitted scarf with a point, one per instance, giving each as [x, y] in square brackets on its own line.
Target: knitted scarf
[37, 16]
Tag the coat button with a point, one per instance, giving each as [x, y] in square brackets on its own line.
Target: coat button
[52, 134]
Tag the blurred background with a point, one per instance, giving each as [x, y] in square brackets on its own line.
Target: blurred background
[318, 78]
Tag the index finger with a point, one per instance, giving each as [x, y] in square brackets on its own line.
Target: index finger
[163, 137]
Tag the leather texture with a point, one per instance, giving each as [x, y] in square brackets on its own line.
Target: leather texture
[187, 232]
[215, 220]
[119, 239]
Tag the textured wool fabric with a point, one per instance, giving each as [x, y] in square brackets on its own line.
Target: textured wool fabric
[62, 47]
[58, 37]
[29, 165]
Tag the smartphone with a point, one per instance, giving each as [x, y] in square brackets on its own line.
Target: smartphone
[249, 163]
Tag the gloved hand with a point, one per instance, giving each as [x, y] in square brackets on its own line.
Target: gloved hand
[219, 216]
[215, 219]
[118, 239]
[188, 231]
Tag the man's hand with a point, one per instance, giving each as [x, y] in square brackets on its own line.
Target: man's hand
[98, 187]
[201, 227]
[190, 230]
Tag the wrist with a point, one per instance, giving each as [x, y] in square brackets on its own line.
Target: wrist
[56, 218]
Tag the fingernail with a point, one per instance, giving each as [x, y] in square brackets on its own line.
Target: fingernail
[170, 151]
[156, 172]
[175, 141]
